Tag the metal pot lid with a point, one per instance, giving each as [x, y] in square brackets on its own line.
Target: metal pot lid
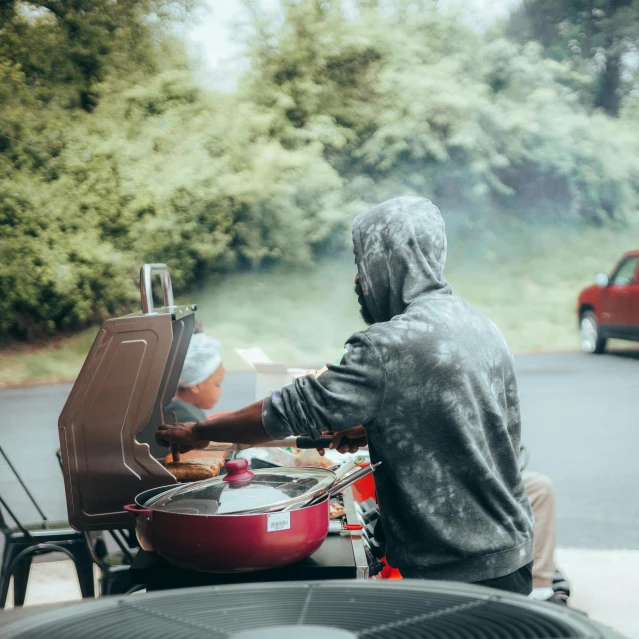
[242, 491]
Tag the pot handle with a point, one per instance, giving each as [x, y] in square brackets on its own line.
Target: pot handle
[139, 510]
[146, 292]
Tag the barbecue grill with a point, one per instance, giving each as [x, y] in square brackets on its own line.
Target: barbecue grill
[318, 610]
[107, 437]
[107, 427]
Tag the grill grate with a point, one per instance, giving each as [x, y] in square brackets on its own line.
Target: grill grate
[371, 610]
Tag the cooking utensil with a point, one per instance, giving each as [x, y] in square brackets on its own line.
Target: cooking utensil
[274, 452]
[242, 491]
[275, 457]
[338, 486]
[289, 442]
[262, 490]
[232, 543]
[242, 521]
[227, 524]
[353, 477]
[343, 469]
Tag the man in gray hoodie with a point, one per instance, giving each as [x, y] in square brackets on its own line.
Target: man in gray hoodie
[432, 381]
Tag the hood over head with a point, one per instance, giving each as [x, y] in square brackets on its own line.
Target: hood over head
[400, 252]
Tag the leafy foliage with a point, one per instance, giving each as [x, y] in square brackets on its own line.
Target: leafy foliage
[478, 124]
[112, 154]
[600, 36]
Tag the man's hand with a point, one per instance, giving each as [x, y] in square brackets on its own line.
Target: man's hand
[347, 441]
[180, 436]
[243, 426]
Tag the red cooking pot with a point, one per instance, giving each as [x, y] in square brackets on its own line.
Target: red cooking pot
[246, 520]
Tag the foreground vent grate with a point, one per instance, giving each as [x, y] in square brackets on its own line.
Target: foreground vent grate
[375, 610]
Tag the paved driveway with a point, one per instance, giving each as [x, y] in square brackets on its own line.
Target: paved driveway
[580, 420]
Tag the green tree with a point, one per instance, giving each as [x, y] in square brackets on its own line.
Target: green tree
[407, 99]
[156, 170]
[72, 44]
[600, 34]
[112, 154]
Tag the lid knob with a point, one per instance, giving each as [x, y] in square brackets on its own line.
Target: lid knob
[237, 470]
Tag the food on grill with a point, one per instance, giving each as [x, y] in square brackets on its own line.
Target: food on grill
[195, 465]
[311, 457]
[190, 471]
[336, 510]
[199, 456]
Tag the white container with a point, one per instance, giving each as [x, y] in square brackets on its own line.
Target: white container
[270, 377]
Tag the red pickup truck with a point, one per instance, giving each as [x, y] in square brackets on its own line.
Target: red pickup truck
[610, 308]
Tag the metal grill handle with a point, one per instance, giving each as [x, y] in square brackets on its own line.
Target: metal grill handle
[146, 291]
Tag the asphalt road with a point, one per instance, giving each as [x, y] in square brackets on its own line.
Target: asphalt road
[580, 424]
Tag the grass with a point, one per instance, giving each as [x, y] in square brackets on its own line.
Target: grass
[525, 279]
[529, 285]
[59, 359]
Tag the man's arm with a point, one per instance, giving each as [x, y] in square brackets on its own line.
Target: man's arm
[345, 395]
[243, 426]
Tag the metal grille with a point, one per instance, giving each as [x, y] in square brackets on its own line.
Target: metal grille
[408, 609]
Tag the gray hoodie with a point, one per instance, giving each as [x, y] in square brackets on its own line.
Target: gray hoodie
[433, 381]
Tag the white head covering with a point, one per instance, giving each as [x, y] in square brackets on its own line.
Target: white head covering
[202, 360]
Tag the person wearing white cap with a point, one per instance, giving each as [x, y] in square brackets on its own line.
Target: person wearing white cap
[200, 384]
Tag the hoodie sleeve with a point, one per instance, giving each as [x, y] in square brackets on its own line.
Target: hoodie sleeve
[347, 394]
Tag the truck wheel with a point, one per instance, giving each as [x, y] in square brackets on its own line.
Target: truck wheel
[590, 334]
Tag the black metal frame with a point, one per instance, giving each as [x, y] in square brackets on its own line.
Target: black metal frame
[26, 490]
[114, 578]
[22, 544]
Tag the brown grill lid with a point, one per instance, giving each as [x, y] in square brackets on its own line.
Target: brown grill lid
[108, 423]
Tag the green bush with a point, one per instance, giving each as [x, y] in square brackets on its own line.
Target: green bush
[112, 154]
[54, 276]
[477, 123]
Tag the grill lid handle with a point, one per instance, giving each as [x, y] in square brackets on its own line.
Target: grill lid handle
[146, 291]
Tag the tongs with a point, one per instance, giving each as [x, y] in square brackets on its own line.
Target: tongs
[290, 442]
[303, 500]
[335, 488]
